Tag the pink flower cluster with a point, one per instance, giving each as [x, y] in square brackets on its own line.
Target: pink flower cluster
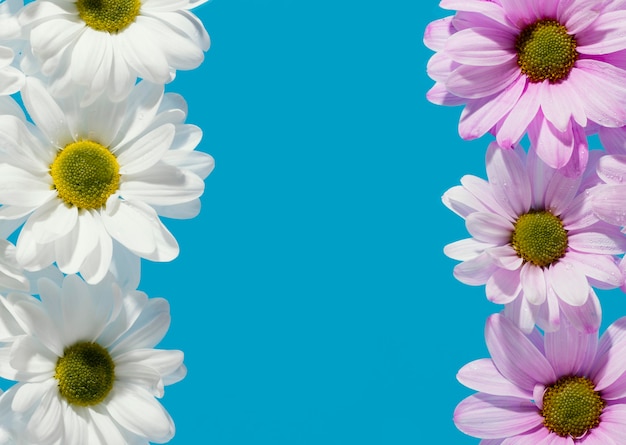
[547, 227]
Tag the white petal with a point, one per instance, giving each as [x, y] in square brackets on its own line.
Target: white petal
[28, 394]
[98, 261]
[201, 164]
[50, 37]
[139, 412]
[143, 55]
[146, 151]
[162, 185]
[38, 323]
[52, 221]
[45, 112]
[45, 424]
[85, 314]
[181, 52]
[30, 356]
[137, 227]
[21, 188]
[72, 249]
[164, 362]
[148, 329]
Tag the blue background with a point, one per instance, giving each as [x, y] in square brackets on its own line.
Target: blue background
[311, 296]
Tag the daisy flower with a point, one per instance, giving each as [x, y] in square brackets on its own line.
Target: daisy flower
[87, 182]
[85, 363]
[563, 388]
[106, 45]
[548, 68]
[535, 242]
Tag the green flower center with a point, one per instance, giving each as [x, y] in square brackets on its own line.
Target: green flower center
[546, 51]
[571, 407]
[85, 174]
[111, 16]
[85, 373]
[539, 238]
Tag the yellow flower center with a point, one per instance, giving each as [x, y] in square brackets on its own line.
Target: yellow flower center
[111, 16]
[539, 238]
[85, 374]
[85, 174]
[571, 407]
[546, 51]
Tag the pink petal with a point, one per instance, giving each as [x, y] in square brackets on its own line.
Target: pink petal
[524, 315]
[568, 282]
[437, 33]
[578, 14]
[493, 417]
[482, 375]
[609, 203]
[569, 349]
[466, 249]
[506, 257]
[534, 284]
[553, 147]
[481, 46]
[489, 228]
[605, 35]
[483, 191]
[600, 239]
[579, 214]
[477, 82]
[610, 363]
[509, 348]
[487, 9]
[602, 271]
[508, 178]
[462, 202]
[511, 129]
[480, 116]
[613, 140]
[503, 286]
[440, 66]
[612, 168]
[549, 313]
[439, 95]
[560, 104]
[475, 272]
[560, 192]
[602, 89]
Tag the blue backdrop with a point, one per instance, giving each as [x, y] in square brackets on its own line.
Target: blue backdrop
[311, 297]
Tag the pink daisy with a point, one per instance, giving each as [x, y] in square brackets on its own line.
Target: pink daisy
[535, 241]
[546, 67]
[563, 388]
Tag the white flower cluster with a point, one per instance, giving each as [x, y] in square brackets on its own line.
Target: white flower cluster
[92, 155]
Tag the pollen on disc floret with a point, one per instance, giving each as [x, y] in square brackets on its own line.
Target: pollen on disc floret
[85, 373]
[85, 174]
[108, 15]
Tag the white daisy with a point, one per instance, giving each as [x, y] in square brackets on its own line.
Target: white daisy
[106, 45]
[85, 364]
[87, 181]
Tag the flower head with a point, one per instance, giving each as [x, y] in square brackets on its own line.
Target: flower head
[562, 388]
[85, 363]
[88, 181]
[104, 46]
[536, 243]
[548, 68]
